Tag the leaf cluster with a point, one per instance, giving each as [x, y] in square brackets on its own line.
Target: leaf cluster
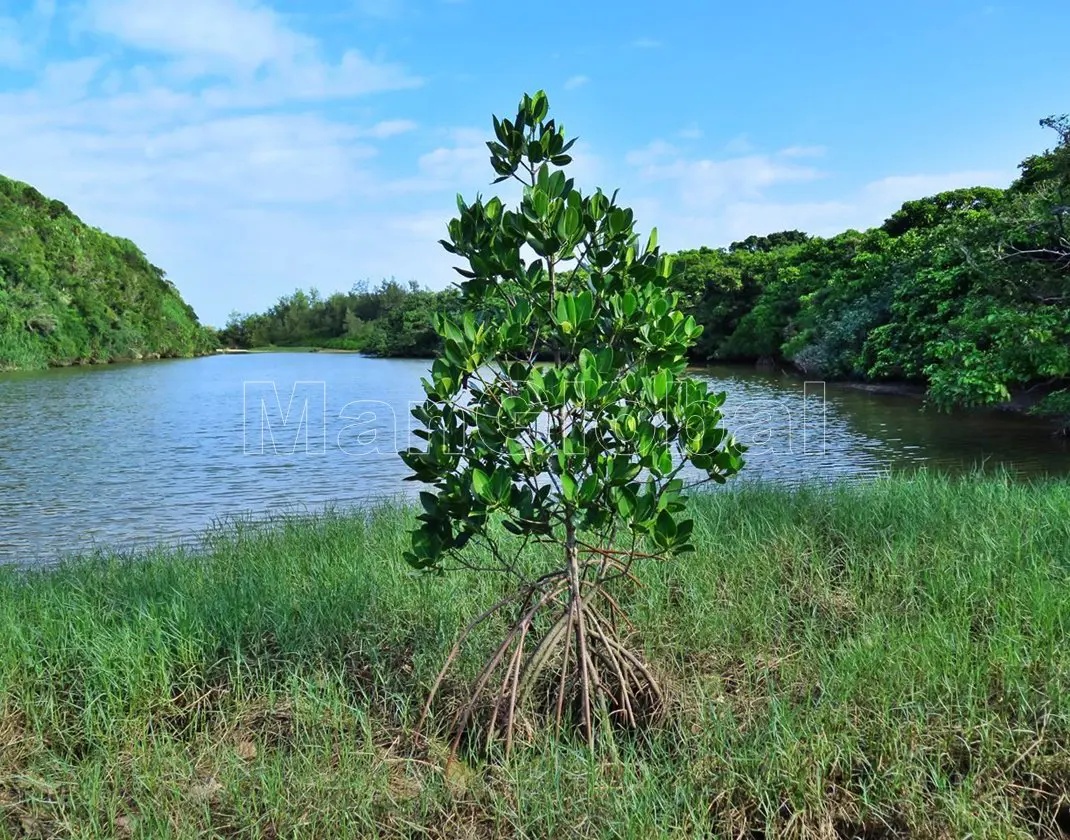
[596, 439]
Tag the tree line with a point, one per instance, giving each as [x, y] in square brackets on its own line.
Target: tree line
[966, 292]
[389, 320]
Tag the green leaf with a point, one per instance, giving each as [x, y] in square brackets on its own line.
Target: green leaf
[516, 451]
[481, 484]
[660, 384]
[665, 266]
[624, 499]
[664, 529]
[663, 464]
[584, 307]
[590, 385]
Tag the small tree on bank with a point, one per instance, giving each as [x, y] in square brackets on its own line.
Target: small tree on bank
[559, 412]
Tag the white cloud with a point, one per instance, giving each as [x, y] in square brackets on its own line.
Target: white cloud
[894, 190]
[703, 201]
[205, 133]
[390, 128]
[646, 43]
[193, 158]
[235, 34]
[464, 161]
[651, 154]
[706, 183]
[685, 225]
[20, 39]
[802, 151]
[690, 133]
[739, 145]
[44, 10]
[576, 81]
[262, 60]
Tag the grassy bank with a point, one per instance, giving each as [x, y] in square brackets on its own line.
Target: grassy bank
[883, 661]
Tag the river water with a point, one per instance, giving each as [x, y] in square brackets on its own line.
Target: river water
[133, 454]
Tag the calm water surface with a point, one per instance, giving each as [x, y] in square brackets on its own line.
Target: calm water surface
[132, 454]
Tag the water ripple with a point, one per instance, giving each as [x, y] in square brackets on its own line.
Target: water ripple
[130, 455]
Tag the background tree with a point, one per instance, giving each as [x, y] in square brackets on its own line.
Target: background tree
[389, 320]
[965, 292]
[586, 454]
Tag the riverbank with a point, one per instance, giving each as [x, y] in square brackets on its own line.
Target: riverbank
[303, 348]
[882, 660]
[8, 366]
[1023, 402]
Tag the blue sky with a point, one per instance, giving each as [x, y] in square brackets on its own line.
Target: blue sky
[253, 146]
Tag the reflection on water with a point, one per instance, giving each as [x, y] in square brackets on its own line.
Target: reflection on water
[129, 454]
[800, 431]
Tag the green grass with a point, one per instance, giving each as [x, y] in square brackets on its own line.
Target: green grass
[883, 660]
[19, 352]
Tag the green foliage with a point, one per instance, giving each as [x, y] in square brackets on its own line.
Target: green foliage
[934, 210]
[391, 320]
[1051, 166]
[622, 419]
[967, 291]
[70, 293]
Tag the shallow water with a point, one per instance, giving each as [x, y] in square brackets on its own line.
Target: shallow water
[131, 454]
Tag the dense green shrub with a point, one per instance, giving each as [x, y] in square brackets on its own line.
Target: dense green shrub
[967, 292]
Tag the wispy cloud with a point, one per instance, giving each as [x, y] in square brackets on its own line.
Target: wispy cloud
[706, 182]
[206, 34]
[892, 191]
[248, 151]
[739, 145]
[391, 128]
[177, 135]
[802, 152]
[723, 207]
[247, 43]
[21, 38]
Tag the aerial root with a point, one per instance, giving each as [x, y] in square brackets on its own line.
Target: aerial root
[579, 663]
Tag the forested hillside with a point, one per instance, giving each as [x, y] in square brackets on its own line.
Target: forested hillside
[966, 292]
[72, 294]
